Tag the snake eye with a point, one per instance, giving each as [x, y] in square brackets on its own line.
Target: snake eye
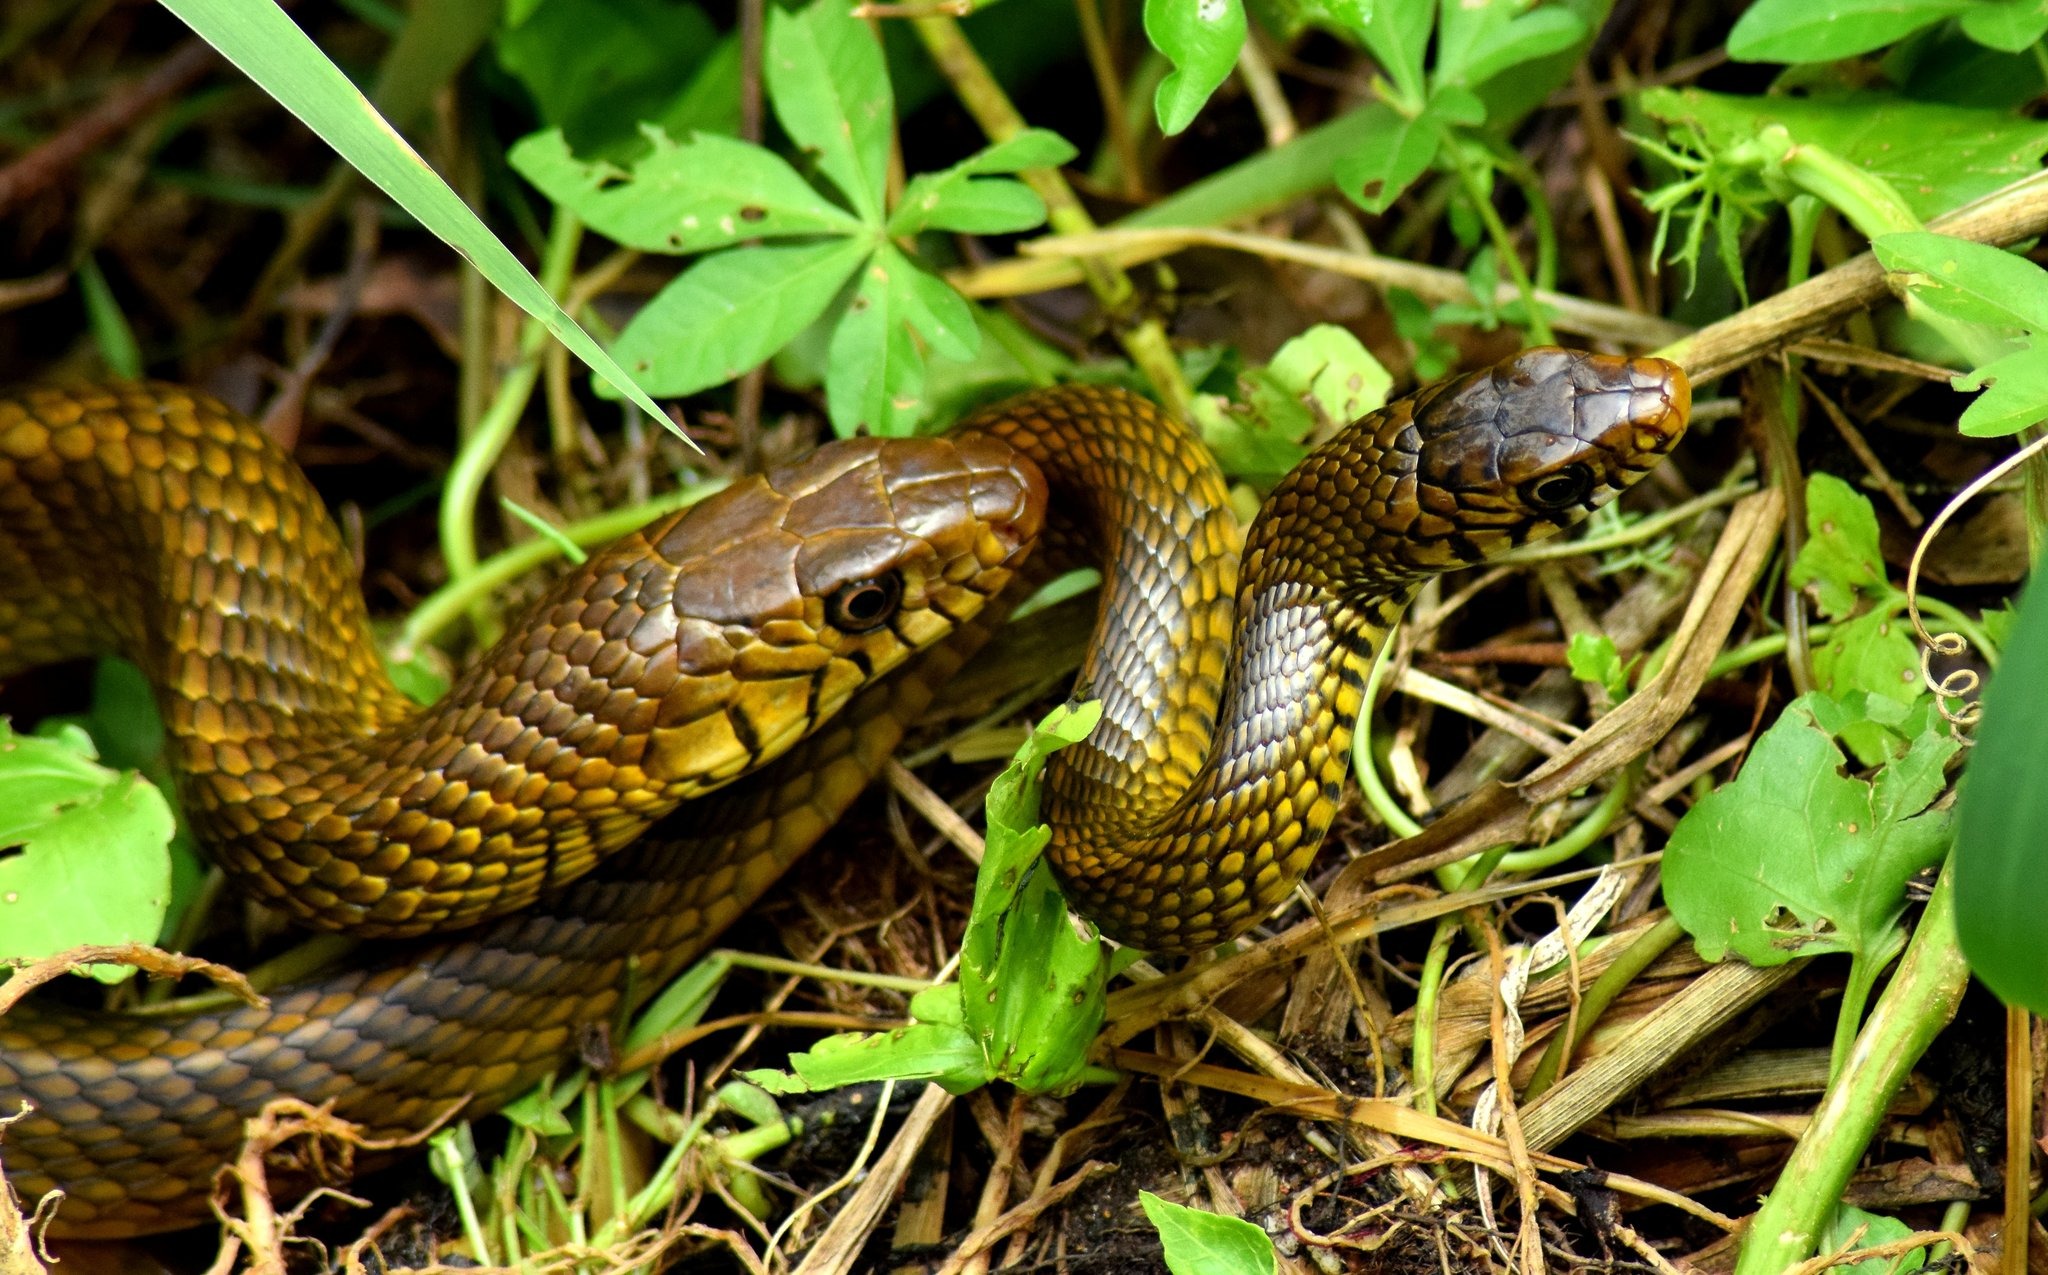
[860, 605]
[1561, 490]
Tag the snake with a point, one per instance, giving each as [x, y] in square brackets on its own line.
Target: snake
[678, 718]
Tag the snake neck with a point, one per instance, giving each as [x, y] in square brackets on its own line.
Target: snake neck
[1230, 683]
[1248, 822]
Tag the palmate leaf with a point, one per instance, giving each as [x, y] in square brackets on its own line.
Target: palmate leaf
[702, 193]
[733, 309]
[830, 90]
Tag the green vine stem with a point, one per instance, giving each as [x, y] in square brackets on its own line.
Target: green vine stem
[1916, 1005]
[1643, 949]
[482, 445]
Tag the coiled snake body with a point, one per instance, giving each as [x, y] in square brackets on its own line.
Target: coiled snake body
[773, 640]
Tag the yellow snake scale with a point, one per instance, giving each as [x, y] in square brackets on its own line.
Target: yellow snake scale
[771, 642]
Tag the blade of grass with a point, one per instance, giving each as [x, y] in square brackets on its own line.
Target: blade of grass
[269, 47]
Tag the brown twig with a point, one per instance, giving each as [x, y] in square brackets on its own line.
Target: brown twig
[47, 163]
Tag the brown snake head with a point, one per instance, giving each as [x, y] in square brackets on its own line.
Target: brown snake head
[758, 613]
[1467, 468]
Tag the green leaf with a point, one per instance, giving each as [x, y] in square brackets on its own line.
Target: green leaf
[831, 93]
[1199, 1243]
[732, 310]
[2010, 27]
[1332, 372]
[1824, 30]
[84, 851]
[1201, 38]
[940, 1053]
[990, 206]
[1796, 858]
[1840, 558]
[1030, 996]
[1966, 281]
[1030, 148]
[1477, 41]
[1868, 1230]
[598, 69]
[874, 373]
[1288, 18]
[1392, 152]
[2016, 395]
[2002, 819]
[1936, 157]
[1592, 658]
[1397, 36]
[701, 193]
[944, 318]
[273, 52]
[1031, 986]
[1875, 653]
[951, 199]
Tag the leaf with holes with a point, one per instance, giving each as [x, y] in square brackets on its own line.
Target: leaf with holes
[84, 850]
[733, 309]
[1840, 560]
[701, 193]
[830, 90]
[1795, 857]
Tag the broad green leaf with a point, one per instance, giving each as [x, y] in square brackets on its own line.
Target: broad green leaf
[1477, 41]
[1592, 658]
[984, 206]
[2002, 819]
[1332, 372]
[2016, 395]
[874, 374]
[1288, 18]
[1875, 653]
[701, 193]
[1030, 996]
[1031, 148]
[1971, 282]
[2009, 26]
[732, 310]
[1824, 30]
[272, 51]
[1796, 858]
[598, 69]
[952, 198]
[1199, 1243]
[1868, 1230]
[1397, 36]
[943, 317]
[84, 850]
[831, 93]
[1388, 158]
[1936, 157]
[1840, 558]
[938, 1052]
[1201, 38]
[1031, 986]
